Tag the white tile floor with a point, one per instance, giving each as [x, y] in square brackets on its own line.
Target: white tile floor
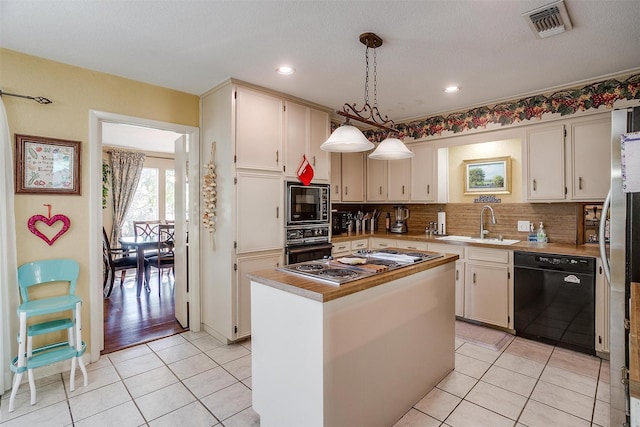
[192, 379]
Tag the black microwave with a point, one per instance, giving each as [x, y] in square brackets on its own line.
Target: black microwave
[307, 204]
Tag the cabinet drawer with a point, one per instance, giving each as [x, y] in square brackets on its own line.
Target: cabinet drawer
[340, 247]
[357, 245]
[408, 244]
[487, 254]
[377, 243]
[447, 249]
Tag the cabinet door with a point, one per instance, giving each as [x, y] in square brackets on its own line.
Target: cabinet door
[399, 180]
[545, 160]
[260, 224]
[378, 243]
[245, 265]
[591, 159]
[376, 180]
[336, 177]
[353, 177]
[423, 172]
[460, 288]
[318, 134]
[602, 309]
[296, 136]
[487, 294]
[258, 128]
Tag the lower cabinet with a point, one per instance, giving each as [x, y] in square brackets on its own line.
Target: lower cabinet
[460, 267]
[489, 286]
[382, 243]
[602, 309]
[243, 266]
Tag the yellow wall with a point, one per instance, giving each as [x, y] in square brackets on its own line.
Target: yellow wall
[458, 154]
[74, 91]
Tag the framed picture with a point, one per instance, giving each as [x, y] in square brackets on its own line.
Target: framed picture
[47, 165]
[487, 176]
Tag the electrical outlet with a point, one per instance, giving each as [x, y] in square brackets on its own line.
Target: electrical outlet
[523, 225]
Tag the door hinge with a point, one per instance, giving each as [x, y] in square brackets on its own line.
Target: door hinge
[235, 329]
[565, 191]
[508, 275]
[235, 94]
[565, 133]
[235, 245]
[235, 267]
[235, 158]
[627, 324]
[235, 180]
[284, 107]
[599, 339]
[284, 168]
[508, 319]
[624, 374]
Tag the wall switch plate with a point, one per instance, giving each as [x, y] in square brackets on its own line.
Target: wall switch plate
[523, 225]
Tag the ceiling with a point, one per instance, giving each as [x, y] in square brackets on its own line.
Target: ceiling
[484, 46]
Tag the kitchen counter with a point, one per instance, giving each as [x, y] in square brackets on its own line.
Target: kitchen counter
[359, 354]
[319, 291]
[553, 248]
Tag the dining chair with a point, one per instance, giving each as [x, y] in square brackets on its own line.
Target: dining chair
[147, 229]
[118, 260]
[165, 255]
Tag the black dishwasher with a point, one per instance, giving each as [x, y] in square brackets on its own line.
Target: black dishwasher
[554, 299]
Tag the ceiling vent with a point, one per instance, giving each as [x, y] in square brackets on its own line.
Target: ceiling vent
[549, 20]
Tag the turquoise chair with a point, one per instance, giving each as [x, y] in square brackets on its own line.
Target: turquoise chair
[42, 273]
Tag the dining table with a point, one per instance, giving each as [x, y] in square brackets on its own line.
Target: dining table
[141, 243]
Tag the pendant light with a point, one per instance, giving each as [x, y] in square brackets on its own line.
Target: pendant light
[348, 138]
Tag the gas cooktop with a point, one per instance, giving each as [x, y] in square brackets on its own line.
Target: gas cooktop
[334, 273]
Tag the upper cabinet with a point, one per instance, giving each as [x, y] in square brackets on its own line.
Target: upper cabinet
[336, 177]
[545, 161]
[305, 130]
[590, 167]
[376, 180]
[353, 177]
[423, 173]
[399, 172]
[258, 130]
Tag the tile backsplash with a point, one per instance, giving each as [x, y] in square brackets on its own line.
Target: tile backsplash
[560, 219]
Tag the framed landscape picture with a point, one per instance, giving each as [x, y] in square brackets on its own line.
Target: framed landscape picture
[47, 165]
[487, 176]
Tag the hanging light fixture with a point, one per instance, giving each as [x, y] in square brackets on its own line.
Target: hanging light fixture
[348, 138]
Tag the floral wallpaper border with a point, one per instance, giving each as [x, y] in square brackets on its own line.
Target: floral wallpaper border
[563, 102]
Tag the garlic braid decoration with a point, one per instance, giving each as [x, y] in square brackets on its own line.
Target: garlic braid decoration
[209, 194]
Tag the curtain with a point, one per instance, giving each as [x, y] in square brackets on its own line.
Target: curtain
[8, 260]
[126, 168]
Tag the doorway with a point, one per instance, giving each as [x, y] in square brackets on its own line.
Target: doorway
[186, 298]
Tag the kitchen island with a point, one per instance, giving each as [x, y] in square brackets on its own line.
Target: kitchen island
[359, 354]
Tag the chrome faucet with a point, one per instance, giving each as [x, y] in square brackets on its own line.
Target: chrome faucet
[484, 232]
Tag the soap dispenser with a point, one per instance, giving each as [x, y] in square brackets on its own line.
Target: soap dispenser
[542, 236]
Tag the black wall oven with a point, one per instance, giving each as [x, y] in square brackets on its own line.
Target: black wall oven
[307, 204]
[307, 243]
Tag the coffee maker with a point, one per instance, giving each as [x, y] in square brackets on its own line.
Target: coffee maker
[400, 225]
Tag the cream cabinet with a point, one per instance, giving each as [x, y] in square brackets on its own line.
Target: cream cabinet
[489, 286]
[590, 161]
[348, 247]
[243, 266]
[423, 173]
[259, 209]
[376, 180]
[399, 175]
[353, 177]
[602, 309]
[258, 130]
[412, 245]
[545, 157]
[382, 243]
[336, 177]
[460, 269]
[305, 130]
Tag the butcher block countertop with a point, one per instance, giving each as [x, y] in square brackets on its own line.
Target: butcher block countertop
[318, 291]
[553, 248]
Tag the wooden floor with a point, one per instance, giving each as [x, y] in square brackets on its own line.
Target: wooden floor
[129, 320]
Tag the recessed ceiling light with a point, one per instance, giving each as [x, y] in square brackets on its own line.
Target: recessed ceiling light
[285, 70]
[451, 89]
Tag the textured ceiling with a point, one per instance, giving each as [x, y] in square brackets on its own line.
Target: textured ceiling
[485, 46]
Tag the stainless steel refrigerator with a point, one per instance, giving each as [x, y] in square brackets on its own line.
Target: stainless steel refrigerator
[624, 246]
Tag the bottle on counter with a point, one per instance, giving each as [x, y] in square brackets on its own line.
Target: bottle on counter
[387, 222]
[533, 237]
[541, 235]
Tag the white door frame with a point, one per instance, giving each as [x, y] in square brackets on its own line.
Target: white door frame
[96, 118]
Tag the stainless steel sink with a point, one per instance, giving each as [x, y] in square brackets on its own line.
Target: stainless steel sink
[486, 240]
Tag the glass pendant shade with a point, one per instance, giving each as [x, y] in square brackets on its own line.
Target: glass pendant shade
[347, 139]
[391, 149]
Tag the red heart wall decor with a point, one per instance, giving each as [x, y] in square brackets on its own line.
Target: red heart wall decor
[66, 223]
